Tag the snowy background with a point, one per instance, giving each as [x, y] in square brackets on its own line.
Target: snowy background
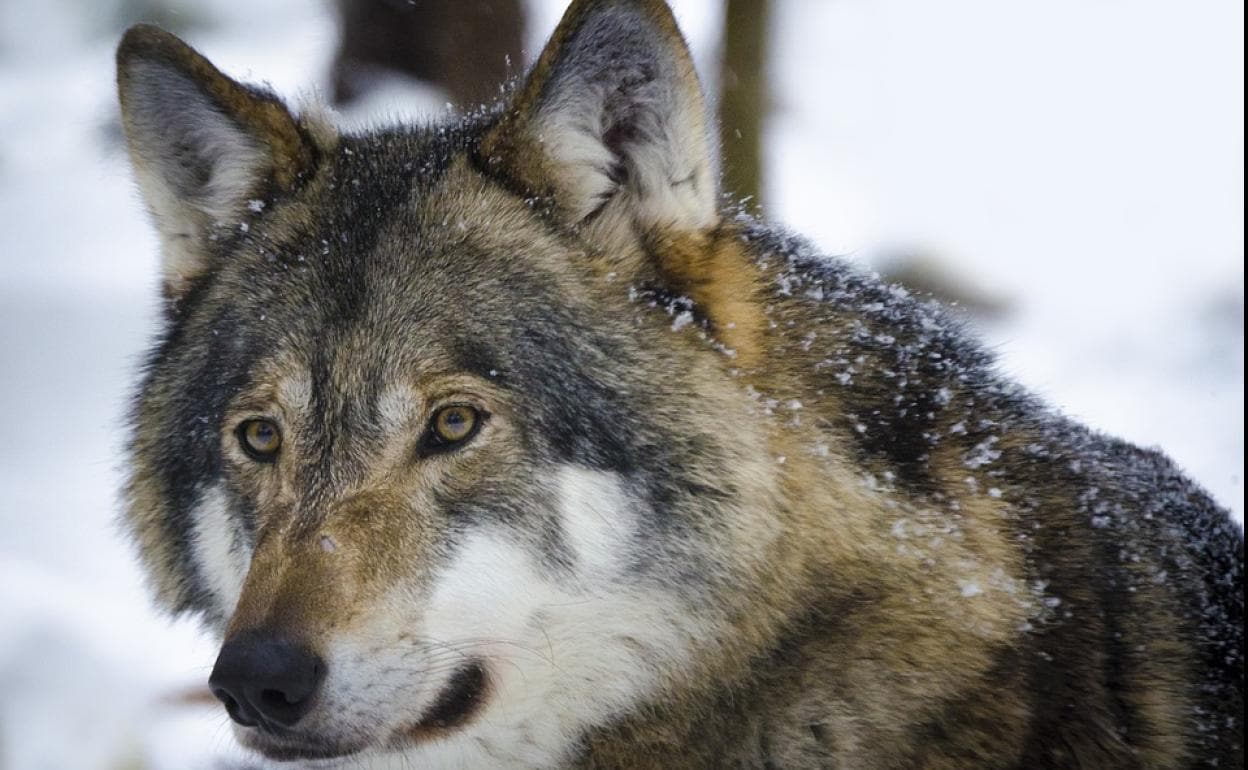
[1079, 161]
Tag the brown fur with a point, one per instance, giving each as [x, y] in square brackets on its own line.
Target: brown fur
[897, 552]
[717, 274]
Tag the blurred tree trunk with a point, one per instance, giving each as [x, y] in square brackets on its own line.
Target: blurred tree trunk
[467, 47]
[743, 97]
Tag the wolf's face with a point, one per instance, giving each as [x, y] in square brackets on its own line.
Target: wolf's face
[409, 440]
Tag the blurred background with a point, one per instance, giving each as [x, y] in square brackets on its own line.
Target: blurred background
[1069, 173]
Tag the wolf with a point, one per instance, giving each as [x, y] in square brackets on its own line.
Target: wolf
[510, 441]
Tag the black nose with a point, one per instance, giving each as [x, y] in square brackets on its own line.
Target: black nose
[266, 680]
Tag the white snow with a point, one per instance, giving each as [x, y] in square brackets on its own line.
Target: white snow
[970, 589]
[1083, 159]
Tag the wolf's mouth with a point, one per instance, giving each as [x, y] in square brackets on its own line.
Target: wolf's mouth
[456, 704]
[282, 750]
[458, 701]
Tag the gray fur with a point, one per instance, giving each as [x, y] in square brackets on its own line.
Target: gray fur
[816, 527]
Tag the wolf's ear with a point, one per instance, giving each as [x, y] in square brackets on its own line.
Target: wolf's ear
[202, 144]
[611, 125]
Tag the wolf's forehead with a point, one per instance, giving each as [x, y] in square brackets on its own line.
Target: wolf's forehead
[366, 191]
[372, 175]
[409, 260]
[389, 404]
[361, 371]
[403, 212]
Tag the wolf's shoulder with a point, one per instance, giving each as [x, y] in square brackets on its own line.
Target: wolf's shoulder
[873, 308]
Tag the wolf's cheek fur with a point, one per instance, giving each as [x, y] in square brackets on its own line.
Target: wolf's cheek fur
[563, 652]
[220, 551]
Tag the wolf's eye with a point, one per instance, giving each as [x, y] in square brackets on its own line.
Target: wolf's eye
[260, 439]
[451, 425]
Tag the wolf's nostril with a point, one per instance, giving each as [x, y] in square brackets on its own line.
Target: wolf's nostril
[266, 680]
[233, 708]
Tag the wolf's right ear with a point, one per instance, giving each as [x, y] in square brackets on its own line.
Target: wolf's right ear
[202, 145]
[611, 126]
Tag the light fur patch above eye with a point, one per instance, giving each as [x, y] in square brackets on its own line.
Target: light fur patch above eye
[395, 408]
[295, 394]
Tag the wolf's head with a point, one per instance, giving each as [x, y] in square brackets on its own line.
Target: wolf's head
[419, 438]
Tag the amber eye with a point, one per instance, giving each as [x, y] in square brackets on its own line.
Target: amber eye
[455, 423]
[451, 425]
[260, 439]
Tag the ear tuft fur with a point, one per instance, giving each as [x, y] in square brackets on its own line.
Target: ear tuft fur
[714, 270]
[202, 144]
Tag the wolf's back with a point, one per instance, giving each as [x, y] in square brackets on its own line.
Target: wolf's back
[1172, 577]
[1135, 647]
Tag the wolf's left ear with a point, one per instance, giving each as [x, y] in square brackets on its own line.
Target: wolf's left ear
[202, 145]
[611, 125]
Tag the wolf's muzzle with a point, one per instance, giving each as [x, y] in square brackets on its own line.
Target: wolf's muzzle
[265, 680]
